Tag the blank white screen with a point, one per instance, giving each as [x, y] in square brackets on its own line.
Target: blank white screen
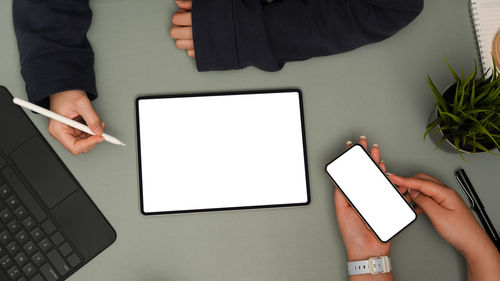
[223, 151]
[375, 198]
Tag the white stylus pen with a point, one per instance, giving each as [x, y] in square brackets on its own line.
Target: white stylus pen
[64, 120]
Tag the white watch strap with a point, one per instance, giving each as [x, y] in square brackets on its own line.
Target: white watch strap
[373, 265]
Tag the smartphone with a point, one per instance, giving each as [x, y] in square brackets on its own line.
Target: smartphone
[378, 202]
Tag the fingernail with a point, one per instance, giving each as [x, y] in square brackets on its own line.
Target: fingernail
[375, 145]
[382, 161]
[414, 193]
[362, 138]
[389, 174]
[348, 142]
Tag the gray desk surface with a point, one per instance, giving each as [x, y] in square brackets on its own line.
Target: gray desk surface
[378, 90]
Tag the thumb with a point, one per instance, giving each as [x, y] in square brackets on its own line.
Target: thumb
[431, 208]
[88, 114]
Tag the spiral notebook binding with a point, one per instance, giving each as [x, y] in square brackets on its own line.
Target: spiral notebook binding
[476, 28]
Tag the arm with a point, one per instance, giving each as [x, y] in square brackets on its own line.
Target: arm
[235, 34]
[54, 51]
[57, 64]
[359, 242]
[453, 220]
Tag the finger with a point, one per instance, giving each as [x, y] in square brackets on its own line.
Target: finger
[185, 44]
[191, 53]
[85, 145]
[430, 207]
[427, 177]
[188, 5]
[89, 148]
[375, 153]
[85, 109]
[407, 197]
[403, 190]
[339, 199]
[436, 191]
[179, 32]
[383, 166]
[348, 144]
[182, 19]
[363, 142]
[418, 210]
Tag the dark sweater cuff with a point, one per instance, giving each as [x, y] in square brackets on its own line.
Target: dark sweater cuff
[57, 72]
[214, 36]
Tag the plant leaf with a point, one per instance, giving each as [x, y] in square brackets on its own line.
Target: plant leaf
[437, 95]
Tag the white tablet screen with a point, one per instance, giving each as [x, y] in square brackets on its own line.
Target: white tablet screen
[205, 152]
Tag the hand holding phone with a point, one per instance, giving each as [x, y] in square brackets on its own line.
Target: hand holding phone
[360, 242]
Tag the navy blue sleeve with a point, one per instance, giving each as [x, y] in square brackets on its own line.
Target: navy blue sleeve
[232, 34]
[53, 47]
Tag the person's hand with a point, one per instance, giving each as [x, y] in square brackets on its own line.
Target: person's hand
[453, 220]
[360, 242]
[75, 104]
[448, 213]
[182, 31]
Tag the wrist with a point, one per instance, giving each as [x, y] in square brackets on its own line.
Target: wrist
[364, 255]
[484, 250]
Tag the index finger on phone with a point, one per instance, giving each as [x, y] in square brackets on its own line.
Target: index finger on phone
[427, 187]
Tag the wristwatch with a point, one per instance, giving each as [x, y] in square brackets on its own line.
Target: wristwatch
[374, 265]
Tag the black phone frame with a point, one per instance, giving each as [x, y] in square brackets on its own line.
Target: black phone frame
[354, 206]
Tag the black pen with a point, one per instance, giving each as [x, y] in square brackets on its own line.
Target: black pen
[477, 206]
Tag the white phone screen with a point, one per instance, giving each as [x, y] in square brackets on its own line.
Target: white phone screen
[371, 193]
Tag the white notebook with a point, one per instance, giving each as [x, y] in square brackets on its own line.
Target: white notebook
[486, 20]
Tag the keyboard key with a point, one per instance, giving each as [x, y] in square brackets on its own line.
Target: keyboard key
[37, 277]
[22, 279]
[21, 259]
[29, 223]
[6, 262]
[6, 216]
[57, 238]
[13, 248]
[13, 202]
[24, 194]
[49, 273]
[30, 248]
[14, 227]
[5, 191]
[48, 226]
[37, 234]
[5, 238]
[29, 270]
[14, 273]
[45, 245]
[38, 259]
[20, 213]
[58, 262]
[74, 260]
[2, 252]
[65, 249]
[22, 237]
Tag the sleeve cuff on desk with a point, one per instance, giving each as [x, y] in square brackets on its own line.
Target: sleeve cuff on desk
[57, 72]
[232, 35]
[214, 37]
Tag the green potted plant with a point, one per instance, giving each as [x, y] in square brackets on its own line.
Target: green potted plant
[468, 112]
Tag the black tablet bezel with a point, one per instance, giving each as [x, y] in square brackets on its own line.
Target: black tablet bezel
[210, 94]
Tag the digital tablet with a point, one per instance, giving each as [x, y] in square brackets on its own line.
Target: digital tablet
[221, 151]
